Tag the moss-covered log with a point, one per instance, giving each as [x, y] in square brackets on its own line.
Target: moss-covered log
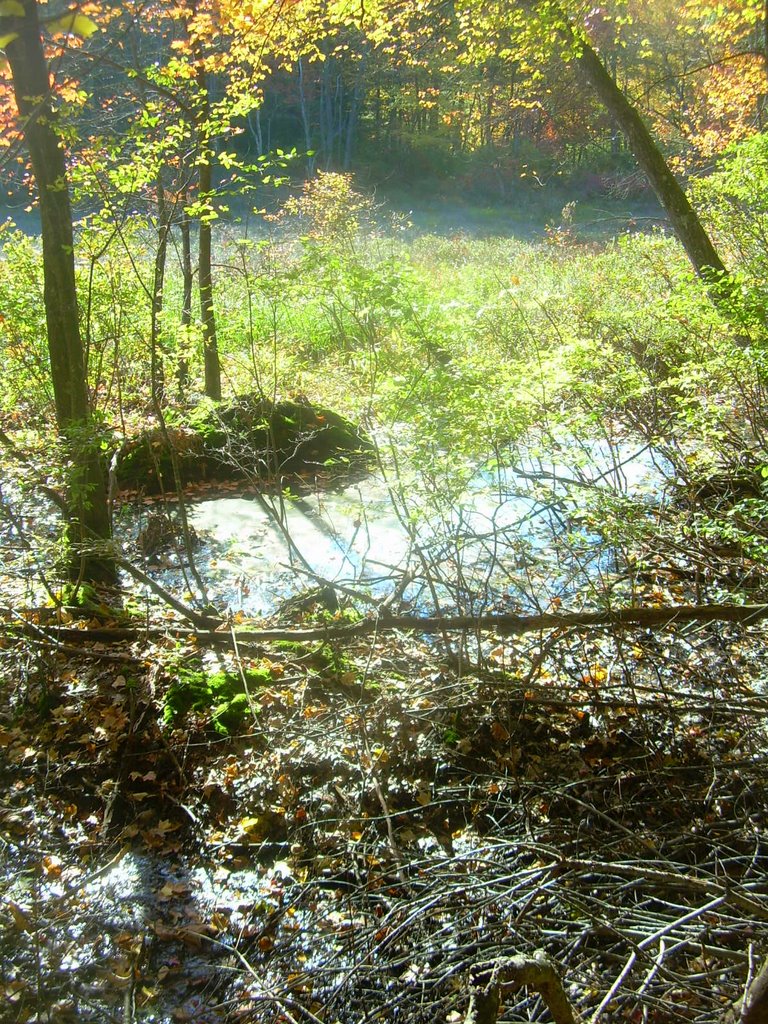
[250, 438]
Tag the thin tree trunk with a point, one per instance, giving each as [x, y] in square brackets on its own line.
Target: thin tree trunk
[157, 368]
[351, 125]
[325, 116]
[255, 126]
[89, 520]
[204, 262]
[305, 119]
[683, 218]
[207, 311]
[182, 369]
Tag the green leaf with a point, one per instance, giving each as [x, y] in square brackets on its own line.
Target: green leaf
[75, 24]
[7, 39]
[11, 9]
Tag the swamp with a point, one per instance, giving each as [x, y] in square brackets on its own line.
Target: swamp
[383, 515]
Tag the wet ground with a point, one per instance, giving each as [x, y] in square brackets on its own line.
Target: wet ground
[382, 824]
[468, 554]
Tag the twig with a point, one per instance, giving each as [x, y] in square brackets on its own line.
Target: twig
[691, 916]
[614, 988]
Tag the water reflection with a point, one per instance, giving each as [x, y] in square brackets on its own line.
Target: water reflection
[513, 538]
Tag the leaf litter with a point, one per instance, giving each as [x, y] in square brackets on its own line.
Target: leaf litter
[380, 819]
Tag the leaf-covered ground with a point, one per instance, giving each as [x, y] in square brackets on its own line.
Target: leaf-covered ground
[318, 834]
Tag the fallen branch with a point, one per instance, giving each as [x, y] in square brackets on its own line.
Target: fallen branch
[516, 625]
[490, 980]
[753, 1008]
[674, 880]
[199, 619]
[211, 630]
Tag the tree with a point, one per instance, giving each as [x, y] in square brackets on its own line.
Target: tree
[670, 193]
[88, 528]
[545, 26]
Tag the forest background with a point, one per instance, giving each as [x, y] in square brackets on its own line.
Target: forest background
[476, 290]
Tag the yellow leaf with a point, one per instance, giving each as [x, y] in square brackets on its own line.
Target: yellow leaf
[166, 826]
[219, 922]
[20, 916]
[423, 793]
[248, 824]
[7, 39]
[597, 674]
[73, 24]
[11, 9]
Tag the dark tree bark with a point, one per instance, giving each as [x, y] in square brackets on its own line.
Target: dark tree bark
[89, 525]
[683, 218]
[755, 1008]
[508, 974]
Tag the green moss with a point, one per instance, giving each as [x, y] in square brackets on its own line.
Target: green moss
[333, 661]
[247, 437]
[291, 647]
[340, 617]
[83, 598]
[228, 717]
[222, 694]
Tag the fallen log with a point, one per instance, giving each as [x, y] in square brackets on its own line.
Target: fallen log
[501, 625]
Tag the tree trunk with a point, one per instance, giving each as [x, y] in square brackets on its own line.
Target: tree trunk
[683, 218]
[182, 369]
[305, 119]
[351, 125]
[164, 215]
[204, 265]
[671, 195]
[89, 527]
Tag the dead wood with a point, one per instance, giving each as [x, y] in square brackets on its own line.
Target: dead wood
[490, 980]
[213, 631]
[753, 1009]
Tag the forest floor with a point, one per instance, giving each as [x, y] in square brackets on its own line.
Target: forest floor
[384, 817]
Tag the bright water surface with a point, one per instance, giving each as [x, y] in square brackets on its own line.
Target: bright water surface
[499, 543]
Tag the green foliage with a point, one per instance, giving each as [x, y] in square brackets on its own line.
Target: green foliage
[464, 356]
[330, 208]
[734, 199]
[228, 698]
[24, 361]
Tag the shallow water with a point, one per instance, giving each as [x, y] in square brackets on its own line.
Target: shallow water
[500, 543]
